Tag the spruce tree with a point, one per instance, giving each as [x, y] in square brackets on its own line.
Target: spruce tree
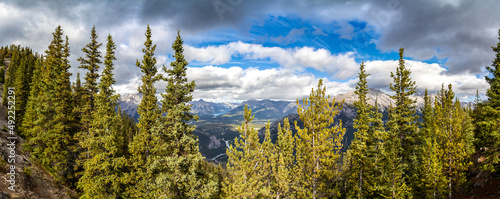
[282, 161]
[359, 149]
[2, 75]
[245, 163]
[11, 73]
[393, 164]
[175, 164]
[406, 119]
[488, 121]
[318, 146]
[376, 153]
[86, 105]
[453, 128]
[141, 146]
[49, 137]
[429, 177]
[103, 171]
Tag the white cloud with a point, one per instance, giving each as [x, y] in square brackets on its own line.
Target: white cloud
[340, 66]
[430, 76]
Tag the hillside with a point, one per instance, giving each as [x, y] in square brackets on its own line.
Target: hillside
[31, 181]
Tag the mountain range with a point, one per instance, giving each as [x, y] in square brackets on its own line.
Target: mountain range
[217, 126]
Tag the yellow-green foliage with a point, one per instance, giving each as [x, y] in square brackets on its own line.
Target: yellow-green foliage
[318, 146]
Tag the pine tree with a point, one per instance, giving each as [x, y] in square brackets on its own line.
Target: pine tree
[175, 163]
[406, 118]
[453, 128]
[393, 166]
[2, 75]
[376, 153]
[429, 178]
[11, 73]
[103, 171]
[86, 105]
[22, 83]
[141, 146]
[359, 149]
[282, 161]
[245, 163]
[488, 122]
[49, 137]
[318, 146]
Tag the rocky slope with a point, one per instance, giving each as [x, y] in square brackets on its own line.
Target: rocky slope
[31, 181]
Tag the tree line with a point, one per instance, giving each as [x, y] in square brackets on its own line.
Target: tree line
[79, 134]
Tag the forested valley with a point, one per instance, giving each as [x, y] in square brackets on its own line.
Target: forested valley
[78, 134]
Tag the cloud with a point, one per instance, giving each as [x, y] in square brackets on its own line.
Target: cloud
[291, 37]
[426, 76]
[235, 83]
[340, 66]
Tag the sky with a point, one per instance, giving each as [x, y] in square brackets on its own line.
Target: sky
[275, 49]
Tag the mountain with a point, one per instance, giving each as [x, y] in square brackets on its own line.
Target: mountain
[264, 109]
[130, 102]
[383, 99]
[346, 115]
[218, 123]
[202, 107]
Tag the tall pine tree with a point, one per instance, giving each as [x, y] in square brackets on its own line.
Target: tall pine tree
[49, 134]
[103, 171]
[489, 120]
[141, 146]
[318, 146]
[359, 149]
[175, 164]
[245, 163]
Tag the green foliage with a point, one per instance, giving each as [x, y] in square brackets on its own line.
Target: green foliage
[318, 146]
[141, 146]
[245, 164]
[487, 116]
[50, 121]
[104, 168]
[2, 75]
[359, 149]
[454, 134]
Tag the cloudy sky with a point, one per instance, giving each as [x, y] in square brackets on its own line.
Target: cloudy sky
[276, 49]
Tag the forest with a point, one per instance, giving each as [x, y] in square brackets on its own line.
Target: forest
[78, 133]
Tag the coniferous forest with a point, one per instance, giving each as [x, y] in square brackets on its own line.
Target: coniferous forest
[78, 133]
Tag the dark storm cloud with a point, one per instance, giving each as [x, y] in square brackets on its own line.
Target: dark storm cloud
[462, 32]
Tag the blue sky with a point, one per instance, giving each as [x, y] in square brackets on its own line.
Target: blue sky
[276, 49]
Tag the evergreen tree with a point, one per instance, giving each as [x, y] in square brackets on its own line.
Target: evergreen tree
[393, 165]
[22, 83]
[175, 164]
[376, 154]
[282, 161]
[428, 176]
[318, 146]
[245, 163]
[141, 146]
[86, 104]
[11, 74]
[488, 121]
[359, 149]
[453, 128]
[49, 137]
[91, 63]
[33, 100]
[2, 75]
[103, 171]
[406, 118]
